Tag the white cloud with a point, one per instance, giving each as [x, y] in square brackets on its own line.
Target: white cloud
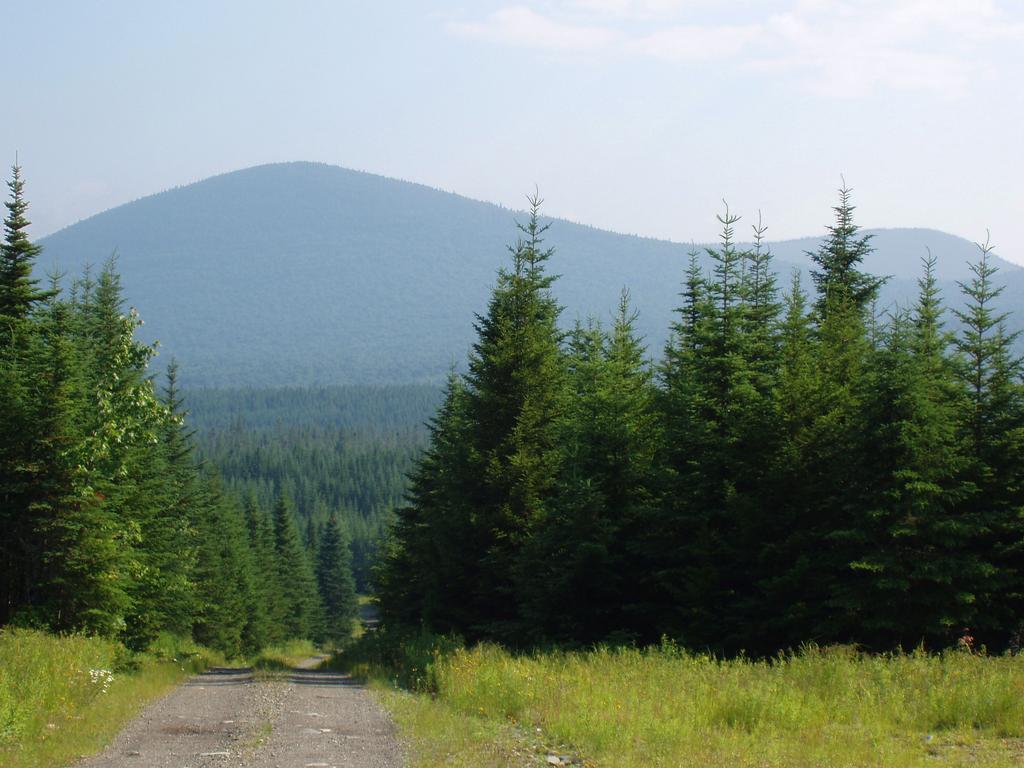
[852, 49]
[695, 43]
[520, 25]
[847, 48]
[632, 9]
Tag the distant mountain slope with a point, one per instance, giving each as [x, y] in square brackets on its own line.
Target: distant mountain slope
[303, 273]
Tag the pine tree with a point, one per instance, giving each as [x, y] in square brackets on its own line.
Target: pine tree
[514, 396]
[19, 291]
[84, 547]
[225, 573]
[992, 429]
[579, 574]
[917, 579]
[429, 570]
[838, 281]
[336, 585]
[295, 582]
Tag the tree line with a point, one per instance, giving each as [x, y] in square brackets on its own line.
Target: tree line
[108, 524]
[800, 465]
[344, 450]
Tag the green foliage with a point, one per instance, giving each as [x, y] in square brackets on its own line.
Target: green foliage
[336, 586]
[65, 696]
[486, 482]
[295, 579]
[19, 291]
[108, 526]
[578, 575]
[797, 471]
[343, 450]
[664, 706]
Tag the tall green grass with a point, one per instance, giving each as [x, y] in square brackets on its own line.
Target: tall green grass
[61, 697]
[281, 658]
[667, 707]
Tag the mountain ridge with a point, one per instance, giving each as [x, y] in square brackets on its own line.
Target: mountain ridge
[306, 273]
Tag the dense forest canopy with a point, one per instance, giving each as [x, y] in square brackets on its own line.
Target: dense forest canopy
[803, 464]
[108, 524]
[331, 450]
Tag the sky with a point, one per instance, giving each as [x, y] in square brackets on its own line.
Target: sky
[639, 116]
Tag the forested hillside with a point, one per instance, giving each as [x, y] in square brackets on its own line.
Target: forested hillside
[109, 526]
[344, 450]
[302, 273]
[797, 467]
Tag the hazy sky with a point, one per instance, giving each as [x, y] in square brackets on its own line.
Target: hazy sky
[632, 115]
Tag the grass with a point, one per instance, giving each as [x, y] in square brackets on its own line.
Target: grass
[63, 697]
[281, 658]
[665, 707]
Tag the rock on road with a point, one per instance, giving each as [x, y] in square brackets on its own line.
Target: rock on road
[310, 718]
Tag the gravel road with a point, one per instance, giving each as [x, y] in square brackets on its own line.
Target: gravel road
[308, 719]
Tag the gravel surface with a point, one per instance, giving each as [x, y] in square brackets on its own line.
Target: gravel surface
[308, 719]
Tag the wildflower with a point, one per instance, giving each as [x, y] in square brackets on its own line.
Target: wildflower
[101, 677]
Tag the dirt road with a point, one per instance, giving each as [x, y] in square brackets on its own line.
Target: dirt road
[308, 719]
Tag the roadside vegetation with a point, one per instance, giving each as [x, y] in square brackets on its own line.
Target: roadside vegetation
[665, 706]
[63, 697]
[282, 658]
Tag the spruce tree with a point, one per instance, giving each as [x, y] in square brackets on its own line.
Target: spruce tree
[789, 593]
[19, 546]
[179, 521]
[992, 425]
[515, 387]
[335, 582]
[225, 573]
[918, 579]
[579, 575]
[429, 568]
[295, 581]
[19, 291]
[85, 547]
[837, 279]
[717, 400]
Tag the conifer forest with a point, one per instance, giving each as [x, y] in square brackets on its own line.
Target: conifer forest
[110, 524]
[800, 464]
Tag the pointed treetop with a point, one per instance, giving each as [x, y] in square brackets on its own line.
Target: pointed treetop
[838, 280]
[18, 289]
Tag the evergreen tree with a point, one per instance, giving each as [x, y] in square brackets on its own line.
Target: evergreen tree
[295, 581]
[718, 383]
[992, 429]
[429, 568]
[84, 548]
[790, 595]
[178, 528]
[514, 398]
[225, 574]
[19, 291]
[311, 538]
[336, 585]
[917, 579]
[579, 574]
[839, 283]
[19, 546]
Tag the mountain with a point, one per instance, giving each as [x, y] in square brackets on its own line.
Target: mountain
[304, 273]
